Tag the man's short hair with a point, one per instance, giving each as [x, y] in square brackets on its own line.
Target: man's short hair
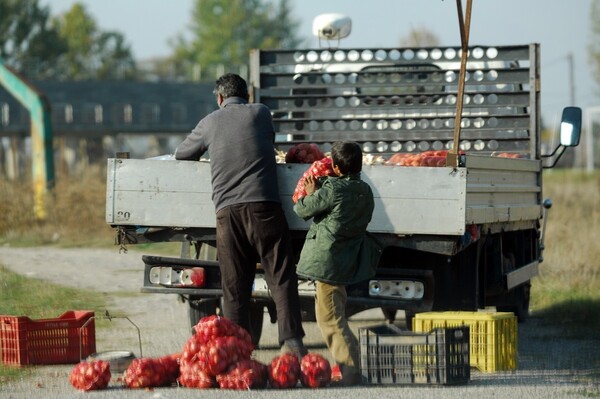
[232, 85]
[347, 155]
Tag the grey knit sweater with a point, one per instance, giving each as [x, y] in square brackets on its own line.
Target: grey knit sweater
[239, 140]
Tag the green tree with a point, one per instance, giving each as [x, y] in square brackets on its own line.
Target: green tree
[222, 32]
[114, 57]
[91, 53]
[77, 29]
[28, 41]
[66, 47]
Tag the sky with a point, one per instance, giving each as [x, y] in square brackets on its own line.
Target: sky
[561, 27]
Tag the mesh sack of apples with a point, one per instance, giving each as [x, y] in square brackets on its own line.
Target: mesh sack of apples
[90, 376]
[304, 153]
[508, 155]
[217, 346]
[320, 168]
[426, 158]
[152, 372]
[218, 355]
[312, 371]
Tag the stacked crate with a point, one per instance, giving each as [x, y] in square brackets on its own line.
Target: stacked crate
[391, 356]
[493, 335]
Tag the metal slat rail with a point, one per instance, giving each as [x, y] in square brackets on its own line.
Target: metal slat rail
[401, 100]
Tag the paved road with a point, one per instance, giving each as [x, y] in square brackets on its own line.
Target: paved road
[550, 366]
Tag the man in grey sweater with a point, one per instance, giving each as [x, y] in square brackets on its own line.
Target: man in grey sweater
[251, 225]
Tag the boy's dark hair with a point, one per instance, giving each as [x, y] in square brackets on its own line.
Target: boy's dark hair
[347, 155]
[231, 85]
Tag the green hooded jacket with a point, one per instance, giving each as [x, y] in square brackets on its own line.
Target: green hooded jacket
[338, 249]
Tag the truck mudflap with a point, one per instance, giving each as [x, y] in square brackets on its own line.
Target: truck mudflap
[522, 275]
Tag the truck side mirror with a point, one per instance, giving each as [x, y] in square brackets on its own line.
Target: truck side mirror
[570, 127]
[570, 132]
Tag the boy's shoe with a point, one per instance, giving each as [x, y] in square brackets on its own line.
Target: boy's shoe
[294, 346]
[349, 378]
[336, 373]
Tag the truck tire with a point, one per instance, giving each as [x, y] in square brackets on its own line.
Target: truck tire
[519, 297]
[202, 309]
[408, 319]
[389, 314]
[207, 308]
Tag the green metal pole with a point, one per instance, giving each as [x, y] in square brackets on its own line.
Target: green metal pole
[41, 134]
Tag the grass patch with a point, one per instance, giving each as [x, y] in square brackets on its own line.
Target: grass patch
[579, 317]
[75, 215]
[23, 296]
[568, 287]
[589, 393]
[172, 249]
[75, 212]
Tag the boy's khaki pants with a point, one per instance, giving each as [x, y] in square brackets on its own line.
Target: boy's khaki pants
[330, 307]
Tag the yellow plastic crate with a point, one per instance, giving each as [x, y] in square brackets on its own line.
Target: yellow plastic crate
[493, 335]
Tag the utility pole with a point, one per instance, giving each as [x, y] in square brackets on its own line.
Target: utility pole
[571, 78]
[578, 152]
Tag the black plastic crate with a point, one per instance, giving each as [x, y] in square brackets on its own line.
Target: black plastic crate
[390, 355]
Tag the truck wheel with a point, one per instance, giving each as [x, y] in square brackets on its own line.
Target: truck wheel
[520, 302]
[408, 318]
[257, 315]
[208, 308]
[389, 314]
[522, 296]
[198, 310]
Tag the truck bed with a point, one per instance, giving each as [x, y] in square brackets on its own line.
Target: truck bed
[408, 200]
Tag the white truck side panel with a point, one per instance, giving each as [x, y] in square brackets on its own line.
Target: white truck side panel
[167, 193]
[158, 193]
[502, 190]
[417, 200]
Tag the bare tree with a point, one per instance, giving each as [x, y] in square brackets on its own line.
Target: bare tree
[419, 37]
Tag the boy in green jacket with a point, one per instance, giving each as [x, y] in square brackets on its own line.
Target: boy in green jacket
[337, 251]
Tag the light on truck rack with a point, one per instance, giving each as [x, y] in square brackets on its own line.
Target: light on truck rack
[185, 277]
[400, 289]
